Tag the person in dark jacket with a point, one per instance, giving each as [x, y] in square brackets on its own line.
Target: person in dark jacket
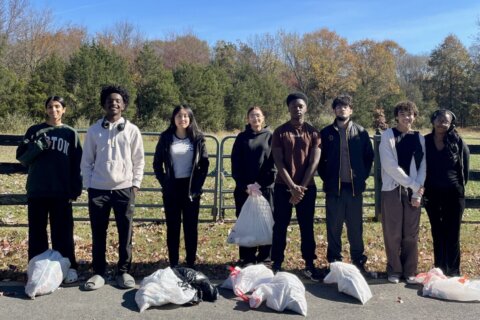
[447, 157]
[52, 153]
[345, 164]
[252, 162]
[181, 166]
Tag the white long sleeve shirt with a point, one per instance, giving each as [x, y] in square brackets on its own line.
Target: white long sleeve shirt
[392, 174]
[113, 159]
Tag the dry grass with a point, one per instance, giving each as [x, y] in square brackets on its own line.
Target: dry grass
[214, 254]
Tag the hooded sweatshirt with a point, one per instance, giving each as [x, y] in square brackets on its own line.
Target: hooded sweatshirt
[252, 159]
[113, 159]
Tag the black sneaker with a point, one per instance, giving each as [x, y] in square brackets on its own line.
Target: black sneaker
[312, 273]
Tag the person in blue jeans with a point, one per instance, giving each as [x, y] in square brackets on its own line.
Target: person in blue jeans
[296, 152]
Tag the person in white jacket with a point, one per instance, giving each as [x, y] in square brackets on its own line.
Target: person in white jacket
[112, 167]
[402, 157]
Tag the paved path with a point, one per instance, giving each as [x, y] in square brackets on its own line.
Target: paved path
[324, 302]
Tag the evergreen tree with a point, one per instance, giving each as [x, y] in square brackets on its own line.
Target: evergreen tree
[157, 92]
[203, 89]
[91, 68]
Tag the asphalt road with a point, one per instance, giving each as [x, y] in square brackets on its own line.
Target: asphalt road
[389, 301]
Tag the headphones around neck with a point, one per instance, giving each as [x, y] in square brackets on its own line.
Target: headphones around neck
[120, 126]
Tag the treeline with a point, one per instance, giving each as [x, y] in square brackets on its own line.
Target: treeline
[38, 59]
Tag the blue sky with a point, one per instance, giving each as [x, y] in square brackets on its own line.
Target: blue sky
[416, 25]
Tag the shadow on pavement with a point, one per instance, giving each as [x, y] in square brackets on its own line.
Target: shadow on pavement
[329, 292]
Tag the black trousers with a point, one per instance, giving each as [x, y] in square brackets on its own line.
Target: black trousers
[445, 209]
[340, 209]
[252, 254]
[100, 203]
[59, 212]
[282, 215]
[179, 207]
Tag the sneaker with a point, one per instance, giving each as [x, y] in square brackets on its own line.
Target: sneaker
[394, 278]
[411, 280]
[312, 273]
[71, 277]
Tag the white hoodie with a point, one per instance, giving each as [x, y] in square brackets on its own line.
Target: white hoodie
[113, 159]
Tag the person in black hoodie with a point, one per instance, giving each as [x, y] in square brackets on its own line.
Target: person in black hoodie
[52, 153]
[181, 165]
[447, 158]
[252, 162]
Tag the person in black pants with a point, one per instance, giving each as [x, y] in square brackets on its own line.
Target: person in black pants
[252, 162]
[112, 167]
[296, 152]
[181, 165]
[444, 199]
[52, 153]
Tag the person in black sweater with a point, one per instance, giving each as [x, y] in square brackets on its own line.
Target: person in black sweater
[252, 162]
[52, 153]
[444, 199]
[181, 165]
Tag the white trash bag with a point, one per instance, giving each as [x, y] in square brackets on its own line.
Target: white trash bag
[46, 272]
[247, 279]
[254, 226]
[349, 281]
[162, 287]
[284, 292]
[437, 285]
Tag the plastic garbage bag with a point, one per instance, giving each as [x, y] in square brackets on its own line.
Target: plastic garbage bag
[247, 279]
[46, 272]
[437, 285]
[284, 292]
[228, 283]
[349, 280]
[206, 291]
[254, 226]
[162, 287]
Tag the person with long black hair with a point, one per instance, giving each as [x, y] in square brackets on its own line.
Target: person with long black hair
[444, 199]
[252, 162]
[181, 165]
[52, 152]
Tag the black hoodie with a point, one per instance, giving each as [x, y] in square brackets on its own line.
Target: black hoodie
[252, 159]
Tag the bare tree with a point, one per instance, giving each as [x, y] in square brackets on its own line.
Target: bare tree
[124, 37]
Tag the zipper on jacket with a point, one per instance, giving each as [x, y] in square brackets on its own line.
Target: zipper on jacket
[340, 161]
[347, 135]
[195, 162]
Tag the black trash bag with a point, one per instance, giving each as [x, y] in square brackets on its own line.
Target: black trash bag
[206, 291]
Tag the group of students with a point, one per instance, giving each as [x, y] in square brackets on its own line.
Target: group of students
[282, 164]
[434, 167]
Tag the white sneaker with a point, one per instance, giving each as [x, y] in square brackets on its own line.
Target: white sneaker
[71, 277]
[394, 278]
